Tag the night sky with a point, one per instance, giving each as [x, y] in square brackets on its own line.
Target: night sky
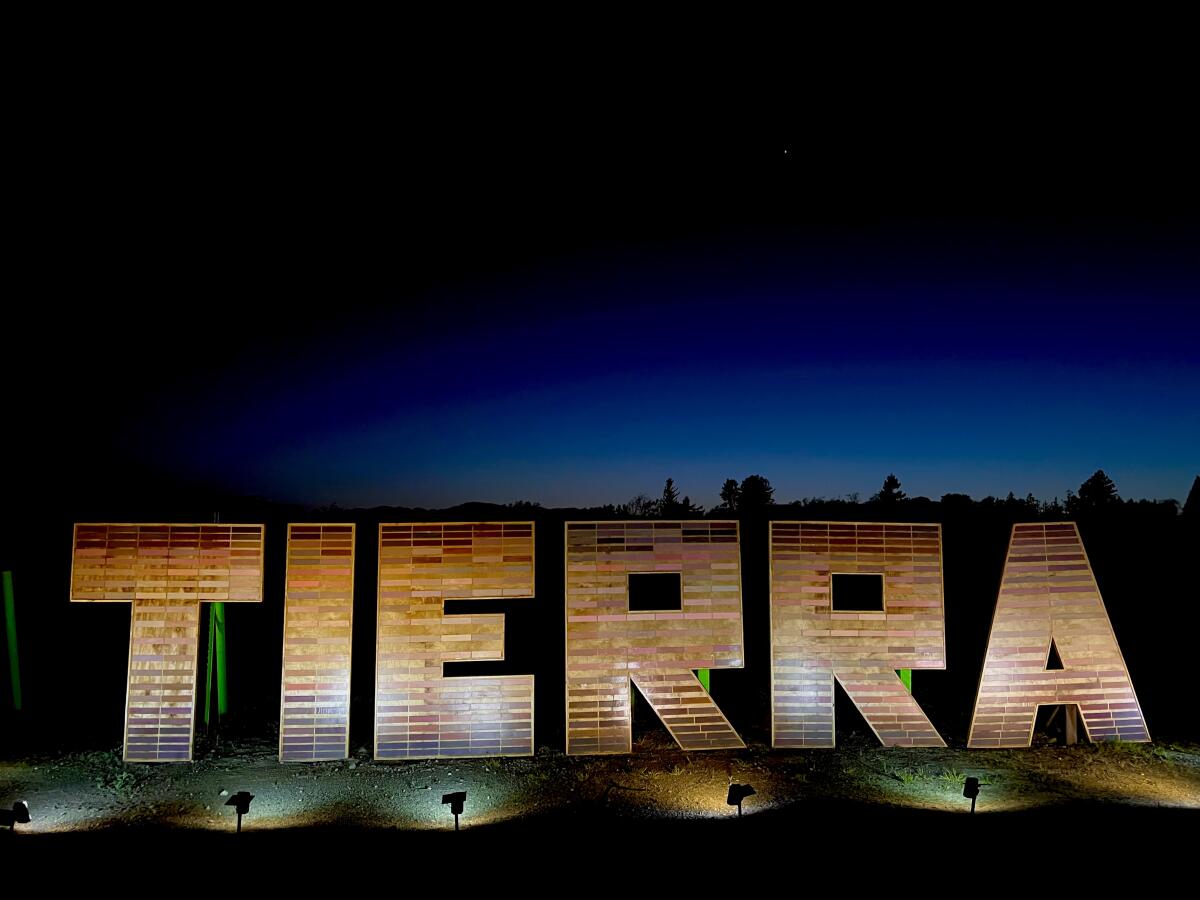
[315, 307]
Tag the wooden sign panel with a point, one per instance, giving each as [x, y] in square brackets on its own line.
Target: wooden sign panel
[318, 617]
[608, 644]
[419, 713]
[1048, 594]
[164, 572]
[861, 643]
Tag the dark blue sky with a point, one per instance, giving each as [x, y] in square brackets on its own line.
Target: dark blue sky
[977, 360]
[339, 316]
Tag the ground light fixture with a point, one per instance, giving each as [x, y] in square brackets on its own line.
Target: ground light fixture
[455, 802]
[971, 790]
[241, 802]
[18, 815]
[738, 793]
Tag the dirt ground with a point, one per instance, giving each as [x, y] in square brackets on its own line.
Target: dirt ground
[94, 790]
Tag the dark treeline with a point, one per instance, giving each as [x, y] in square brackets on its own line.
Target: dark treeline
[754, 494]
[74, 656]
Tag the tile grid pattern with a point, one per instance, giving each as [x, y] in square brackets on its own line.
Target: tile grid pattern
[607, 645]
[164, 572]
[418, 712]
[811, 644]
[318, 616]
[1049, 593]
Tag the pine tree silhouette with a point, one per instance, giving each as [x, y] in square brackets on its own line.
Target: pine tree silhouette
[890, 492]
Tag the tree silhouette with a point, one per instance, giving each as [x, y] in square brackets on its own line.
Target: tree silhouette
[730, 495]
[641, 505]
[1098, 490]
[1051, 508]
[960, 501]
[890, 492]
[1097, 493]
[755, 493]
[669, 505]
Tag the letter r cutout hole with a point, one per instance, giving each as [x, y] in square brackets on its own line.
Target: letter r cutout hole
[655, 591]
[857, 592]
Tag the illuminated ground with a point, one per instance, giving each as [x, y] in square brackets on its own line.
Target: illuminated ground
[94, 792]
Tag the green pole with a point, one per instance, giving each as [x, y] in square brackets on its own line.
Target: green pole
[705, 679]
[906, 677]
[215, 670]
[222, 694]
[10, 628]
[208, 669]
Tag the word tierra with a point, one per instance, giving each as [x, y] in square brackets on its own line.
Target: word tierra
[646, 602]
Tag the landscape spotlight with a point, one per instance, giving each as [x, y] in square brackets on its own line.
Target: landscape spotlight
[971, 789]
[18, 815]
[240, 800]
[456, 801]
[738, 793]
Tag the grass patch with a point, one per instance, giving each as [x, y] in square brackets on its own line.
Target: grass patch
[952, 777]
[905, 774]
